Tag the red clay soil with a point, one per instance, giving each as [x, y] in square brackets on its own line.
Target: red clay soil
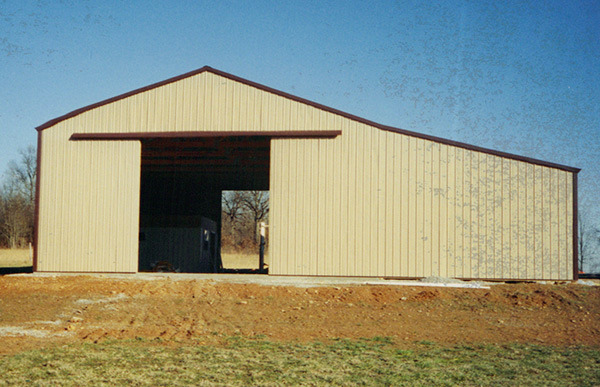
[40, 311]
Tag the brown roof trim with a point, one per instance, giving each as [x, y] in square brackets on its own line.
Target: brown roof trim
[476, 148]
[120, 96]
[144, 135]
[313, 104]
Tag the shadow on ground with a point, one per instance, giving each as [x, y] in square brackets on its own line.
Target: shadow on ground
[16, 270]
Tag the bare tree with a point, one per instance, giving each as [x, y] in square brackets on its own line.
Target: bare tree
[22, 174]
[589, 244]
[17, 199]
[241, 213]
[233, 211]
[14, 219]
[233, 205]
[257, 204]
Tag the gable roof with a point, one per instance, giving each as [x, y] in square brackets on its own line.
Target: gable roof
[232, 77]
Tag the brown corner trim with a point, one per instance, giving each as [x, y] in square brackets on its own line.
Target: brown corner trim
[145, 135]
[310, 103]
[36, 215]
[575, 230]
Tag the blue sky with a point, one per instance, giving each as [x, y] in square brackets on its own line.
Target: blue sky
[518, 76]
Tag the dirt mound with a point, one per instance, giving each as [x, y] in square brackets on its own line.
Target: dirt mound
[38, 311]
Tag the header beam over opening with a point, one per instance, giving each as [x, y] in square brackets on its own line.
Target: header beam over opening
[144, 135]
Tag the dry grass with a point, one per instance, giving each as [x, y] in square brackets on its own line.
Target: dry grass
[21, 258]
[241, 260]
[15, 258]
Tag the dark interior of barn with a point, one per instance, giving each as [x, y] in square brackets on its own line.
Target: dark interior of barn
[180, 201]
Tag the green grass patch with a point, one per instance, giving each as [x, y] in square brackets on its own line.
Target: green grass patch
[242, 361]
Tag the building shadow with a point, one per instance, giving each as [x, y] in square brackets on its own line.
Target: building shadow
[16, 270]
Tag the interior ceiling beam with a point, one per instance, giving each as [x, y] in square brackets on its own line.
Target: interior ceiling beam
[247, 154]
[237, 173]
[241, 162]
[204, 148]
[224, 180]
[208, 143]
[169, 161]
[209, 166]
[225, 153]
[203, 167]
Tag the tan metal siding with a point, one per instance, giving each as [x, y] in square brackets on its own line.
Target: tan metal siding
[89, 200]
[374, 203]
[561, 216]
[367, 203]
[203, 102]
[89, 203]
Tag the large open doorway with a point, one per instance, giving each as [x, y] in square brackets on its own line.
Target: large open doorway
[182, 181]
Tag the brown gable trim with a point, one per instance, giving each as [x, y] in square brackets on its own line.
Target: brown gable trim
[118, 97]
[143, 135]
[315, 105]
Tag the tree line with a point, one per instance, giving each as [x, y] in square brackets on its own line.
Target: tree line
[588, 245]
[17, 200]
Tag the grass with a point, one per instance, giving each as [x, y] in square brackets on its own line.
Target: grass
[20, 258]
[15, 258]
[243, 361]
[241, 260]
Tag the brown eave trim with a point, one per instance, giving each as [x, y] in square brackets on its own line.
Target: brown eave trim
[391, 128]
[36, 216]
[313, 104]
[575, 230]
[475, 148]
[145, 135]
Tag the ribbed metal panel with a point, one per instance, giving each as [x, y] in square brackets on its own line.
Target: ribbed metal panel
[89, 205]
[376, 203]
[204, 102]
[89, 190]
[370, 202]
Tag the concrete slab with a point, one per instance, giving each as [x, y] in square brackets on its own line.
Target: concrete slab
[271, 280]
